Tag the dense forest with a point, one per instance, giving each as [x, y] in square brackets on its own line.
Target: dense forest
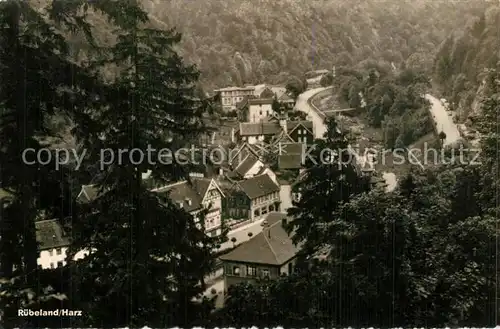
[464, 58]
[235, 42]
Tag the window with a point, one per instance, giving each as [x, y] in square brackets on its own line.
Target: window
[51, 252]
[236, 270]
[58, 251]
[59, 264]
[256, 213]
[251, 271]
[263, 211]
[265, 273]
[51, 265]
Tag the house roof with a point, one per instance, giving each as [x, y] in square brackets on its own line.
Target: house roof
[259, 88]
[260, 101]
[258, 186]
[246, 88]
[244, 102]
[278, 91]
[188, 193]
[290, 161]
[246, 165]
[259, 128]
[183, 194]
[241, 154]
[292, 148]
[273, 246]
[285, 98]
[5, 194]
[292, 125]
[49, 235]
[267, 93]
[89, 193]
[282, 138]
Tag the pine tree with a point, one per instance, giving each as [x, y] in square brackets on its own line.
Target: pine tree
[330, 179]
[36, 78]
[148, 257]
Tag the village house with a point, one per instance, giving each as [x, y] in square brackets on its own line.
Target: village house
[300, 131]
[253, 133]
[197, 195]
[253, 198]
[259, 109]
[291, 157]
[268, 255]
[247, 162]
[287, 101]
[53, 244]
[249, 167]
[230, 96]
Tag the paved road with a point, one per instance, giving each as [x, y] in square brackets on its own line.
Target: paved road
[302, 105]
[443, 121]
[319, 125]
[318, 118]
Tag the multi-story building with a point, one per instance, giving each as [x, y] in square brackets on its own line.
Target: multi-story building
[195, 196]
[53, 244]
[268, 255]
[259, 109]
[252, 199]
[230, 96]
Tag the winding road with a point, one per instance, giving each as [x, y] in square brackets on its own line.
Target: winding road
[302, 104]
[319, 128]
[443, 121]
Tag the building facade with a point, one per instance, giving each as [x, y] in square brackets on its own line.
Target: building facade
[252, 199]
[259, 109]
[267, 256]
[230, 96]
[254, 133]
[53, 245]
[195, 196]
[300, 131]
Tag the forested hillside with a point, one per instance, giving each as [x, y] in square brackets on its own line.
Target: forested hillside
[465, 56]
[237, 41]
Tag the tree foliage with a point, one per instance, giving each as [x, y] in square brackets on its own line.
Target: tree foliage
[272, 41]
[392, 101]
[330, 179]
[412, 256]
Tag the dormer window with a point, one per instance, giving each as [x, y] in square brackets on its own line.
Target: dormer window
[188, 201]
